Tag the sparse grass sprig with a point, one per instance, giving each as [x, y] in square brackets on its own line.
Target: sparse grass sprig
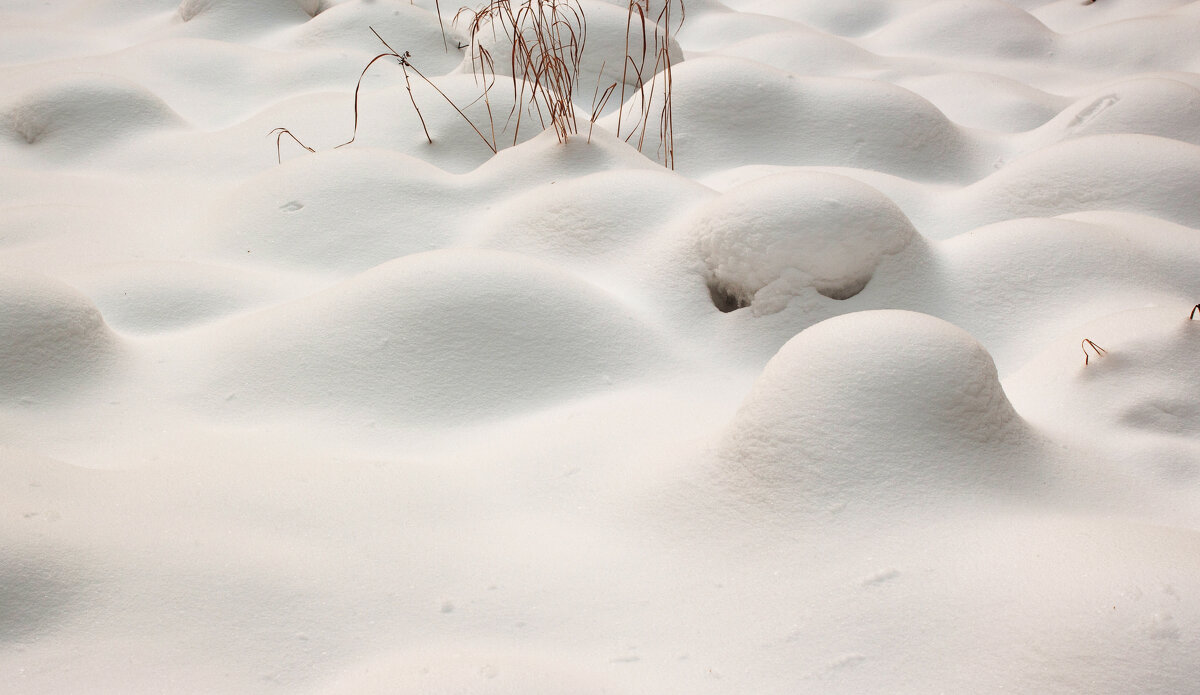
[1098, 350]
[405, 64]
[599, 101]
[279, 133]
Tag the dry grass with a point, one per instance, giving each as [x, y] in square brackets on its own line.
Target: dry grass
[547, 39]
[656, 42]
[1100, 352]
[545, 42]
[403, 59]
[279, 133]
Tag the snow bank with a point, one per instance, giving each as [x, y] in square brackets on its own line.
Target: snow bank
[75, 116]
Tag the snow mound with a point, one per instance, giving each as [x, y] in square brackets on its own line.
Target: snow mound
[587, 217]
[543, 160]
[77, 115]
[388, 121]
[988, 101]
[853, 19]
[875, 409]
[235, 19]
[1067, 15]
[1014, 295]
[814, 121]
[1144, 44]
[804, 51]
[768, 240]
[966, 29]
[347, 210]
[1147, 105]
[1141, 174]
[439, 336]
[405, 27]
[1146, 379]
[51, 337]
[152, 296]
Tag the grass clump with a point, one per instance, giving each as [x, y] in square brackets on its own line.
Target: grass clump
[541, 42]
[547, 38]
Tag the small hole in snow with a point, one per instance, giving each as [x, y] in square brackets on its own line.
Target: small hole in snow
[725, 300]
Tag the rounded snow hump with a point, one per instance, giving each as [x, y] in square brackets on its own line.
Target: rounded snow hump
[443, 336]
[52, 338]
[771, 238]
[875, 408]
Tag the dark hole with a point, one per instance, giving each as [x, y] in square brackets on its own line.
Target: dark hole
[725, 300]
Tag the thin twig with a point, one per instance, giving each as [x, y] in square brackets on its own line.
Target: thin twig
[436, 6]
[453, 105]
[597, 108]
[1084, 345]
[357, 87]
[279, 133]
[408, 86]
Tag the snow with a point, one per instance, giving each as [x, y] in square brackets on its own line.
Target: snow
[818, 428]
[769, 239]
[807, 413]
[52, 337]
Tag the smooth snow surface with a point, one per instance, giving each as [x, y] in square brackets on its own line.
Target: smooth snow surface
[808, 413]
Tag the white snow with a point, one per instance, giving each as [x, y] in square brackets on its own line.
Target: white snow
[807, 413]
[768, 239]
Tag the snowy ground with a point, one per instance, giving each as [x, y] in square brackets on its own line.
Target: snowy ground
[412, 418]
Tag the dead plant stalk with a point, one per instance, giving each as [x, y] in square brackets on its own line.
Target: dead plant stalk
[545, 41]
